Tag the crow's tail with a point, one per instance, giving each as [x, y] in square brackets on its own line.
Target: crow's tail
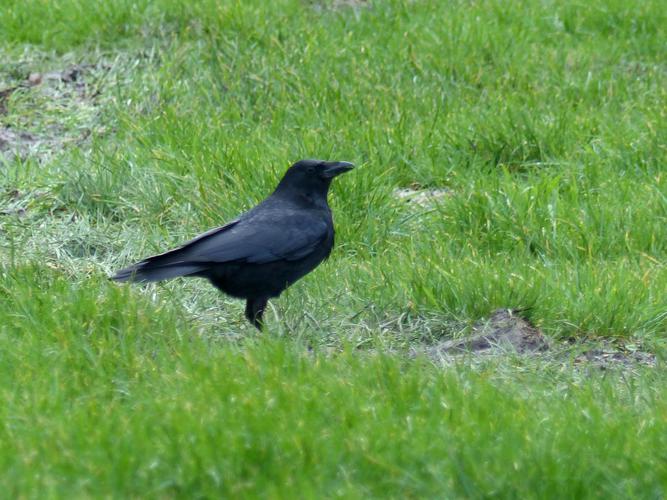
[142, 273]
[158, 268]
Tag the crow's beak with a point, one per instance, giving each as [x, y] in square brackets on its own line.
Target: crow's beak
[334, 168]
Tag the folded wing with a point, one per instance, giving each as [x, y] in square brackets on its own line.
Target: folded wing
[259, 238]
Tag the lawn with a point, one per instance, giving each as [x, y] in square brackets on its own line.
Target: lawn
[531, 139]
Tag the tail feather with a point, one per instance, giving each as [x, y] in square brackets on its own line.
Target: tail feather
[144, 272]
[160, 267]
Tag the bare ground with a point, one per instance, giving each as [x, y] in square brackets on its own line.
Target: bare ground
[44, 112]
[506, 331]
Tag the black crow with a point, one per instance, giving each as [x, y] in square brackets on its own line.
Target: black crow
[262, 252]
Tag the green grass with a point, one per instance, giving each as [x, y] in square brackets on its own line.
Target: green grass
[136, 403]
[544, 121]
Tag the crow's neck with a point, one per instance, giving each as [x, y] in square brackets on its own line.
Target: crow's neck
[309, 198]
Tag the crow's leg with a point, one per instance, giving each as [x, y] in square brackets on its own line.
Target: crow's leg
[254, 308]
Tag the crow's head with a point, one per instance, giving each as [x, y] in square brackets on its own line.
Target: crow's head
[312, 176]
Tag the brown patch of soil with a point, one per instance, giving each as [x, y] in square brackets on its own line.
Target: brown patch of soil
[606, 355]
[421, 197]
[504, 330]
[17, 142]
[320, 5]
[66, 89]
[4, 96]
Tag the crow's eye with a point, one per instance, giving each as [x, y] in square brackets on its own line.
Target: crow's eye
[311, 169]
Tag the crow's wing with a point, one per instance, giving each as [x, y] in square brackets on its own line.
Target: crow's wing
[264, 236]
[258, 237]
